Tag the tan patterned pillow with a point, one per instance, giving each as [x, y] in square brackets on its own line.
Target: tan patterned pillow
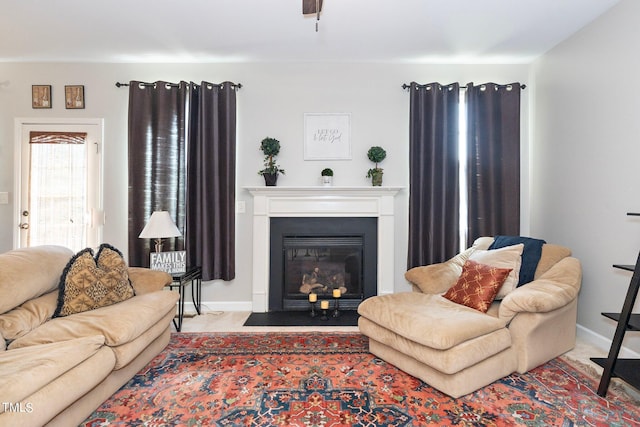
[88, 283]
[477, 286]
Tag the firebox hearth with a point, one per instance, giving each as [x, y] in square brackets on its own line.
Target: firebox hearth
[327, 257]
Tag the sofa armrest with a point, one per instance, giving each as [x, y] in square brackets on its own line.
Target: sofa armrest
[438, 278]
[145, 280]
[554, 289]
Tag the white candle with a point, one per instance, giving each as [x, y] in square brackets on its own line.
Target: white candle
[336, 293]
[313, 297]
[324, 304]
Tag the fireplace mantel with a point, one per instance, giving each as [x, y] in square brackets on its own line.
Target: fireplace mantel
[320, 202]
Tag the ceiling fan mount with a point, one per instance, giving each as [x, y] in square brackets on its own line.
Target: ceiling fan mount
[311, 6]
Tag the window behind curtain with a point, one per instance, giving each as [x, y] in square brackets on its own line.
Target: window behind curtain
[487, 154]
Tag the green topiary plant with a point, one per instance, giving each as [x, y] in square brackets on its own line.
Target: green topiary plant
[270, 147]
[376, 154]
[326, 172]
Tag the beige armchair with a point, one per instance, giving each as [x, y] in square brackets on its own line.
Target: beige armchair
[457, 349]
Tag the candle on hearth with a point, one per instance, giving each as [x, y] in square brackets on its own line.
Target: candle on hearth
[324, 305]
[336, 293]
[313, 297]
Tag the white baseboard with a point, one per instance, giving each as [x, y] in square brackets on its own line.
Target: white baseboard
[604, 343]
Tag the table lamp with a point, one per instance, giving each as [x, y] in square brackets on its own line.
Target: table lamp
[160, 226]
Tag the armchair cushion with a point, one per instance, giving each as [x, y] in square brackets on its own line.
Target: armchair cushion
[437, 278]
[506, 257]
[551, 255]
[429, 320]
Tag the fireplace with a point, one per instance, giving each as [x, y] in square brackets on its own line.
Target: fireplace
[320, 202]
[320, 256]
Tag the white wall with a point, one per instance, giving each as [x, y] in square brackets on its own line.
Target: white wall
[585, 152]
[271, 103]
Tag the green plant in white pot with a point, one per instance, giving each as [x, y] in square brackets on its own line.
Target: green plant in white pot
[376, 155]
[270, 147]
[327, 177]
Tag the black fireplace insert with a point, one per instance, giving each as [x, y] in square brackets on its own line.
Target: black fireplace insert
[322, 256]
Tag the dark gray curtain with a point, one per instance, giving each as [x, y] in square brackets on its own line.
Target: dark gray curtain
[493, 162]
[434, 183]
[157, 114]
[210, 229]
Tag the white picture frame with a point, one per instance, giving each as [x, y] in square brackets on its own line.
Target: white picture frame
[327, 136]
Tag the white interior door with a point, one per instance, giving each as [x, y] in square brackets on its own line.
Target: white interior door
[59, 183]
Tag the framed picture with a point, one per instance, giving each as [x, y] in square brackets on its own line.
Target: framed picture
[74, 97]
[327, 136]
[41, 96]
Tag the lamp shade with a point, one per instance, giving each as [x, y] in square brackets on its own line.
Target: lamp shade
[160, 225]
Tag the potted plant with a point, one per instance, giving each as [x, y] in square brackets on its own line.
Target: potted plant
[327, 177]
[270, 147]
[376, 154]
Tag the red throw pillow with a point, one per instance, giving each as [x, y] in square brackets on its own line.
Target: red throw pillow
[478, 285]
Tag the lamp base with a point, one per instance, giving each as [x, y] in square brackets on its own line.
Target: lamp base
[158, 245]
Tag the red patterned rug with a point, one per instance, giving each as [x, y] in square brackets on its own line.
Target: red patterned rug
[330, 379]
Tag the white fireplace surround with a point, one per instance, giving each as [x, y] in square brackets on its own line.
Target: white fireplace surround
[316, 202]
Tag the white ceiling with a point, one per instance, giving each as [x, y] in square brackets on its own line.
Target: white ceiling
[421, 31]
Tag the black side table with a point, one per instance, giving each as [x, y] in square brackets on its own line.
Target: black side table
[193, 276]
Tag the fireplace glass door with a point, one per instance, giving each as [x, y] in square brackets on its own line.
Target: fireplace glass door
[322, 256]
[321, 265]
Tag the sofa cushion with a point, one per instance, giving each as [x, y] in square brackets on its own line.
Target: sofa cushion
[145, 280]
[30, 272]
[127, 352]
[28, 316]
[119, 323]
[428, 319]
[478, 285]
[88, 283]
[506, 257]
[24, 371]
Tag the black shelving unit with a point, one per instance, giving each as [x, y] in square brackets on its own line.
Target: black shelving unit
[626, 369]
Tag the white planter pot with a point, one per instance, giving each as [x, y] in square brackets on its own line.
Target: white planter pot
[327, 181]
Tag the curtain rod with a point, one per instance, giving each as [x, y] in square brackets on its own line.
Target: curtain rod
[118, 84]
[407, 86]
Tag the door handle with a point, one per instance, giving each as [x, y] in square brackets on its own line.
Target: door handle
[24, 225]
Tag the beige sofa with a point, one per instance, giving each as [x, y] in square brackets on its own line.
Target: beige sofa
[56, 371]
[458, 349]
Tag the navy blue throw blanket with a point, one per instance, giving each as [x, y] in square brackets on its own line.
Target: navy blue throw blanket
[530, 254]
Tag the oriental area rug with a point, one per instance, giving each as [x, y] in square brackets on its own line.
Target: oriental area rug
[330, 379]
